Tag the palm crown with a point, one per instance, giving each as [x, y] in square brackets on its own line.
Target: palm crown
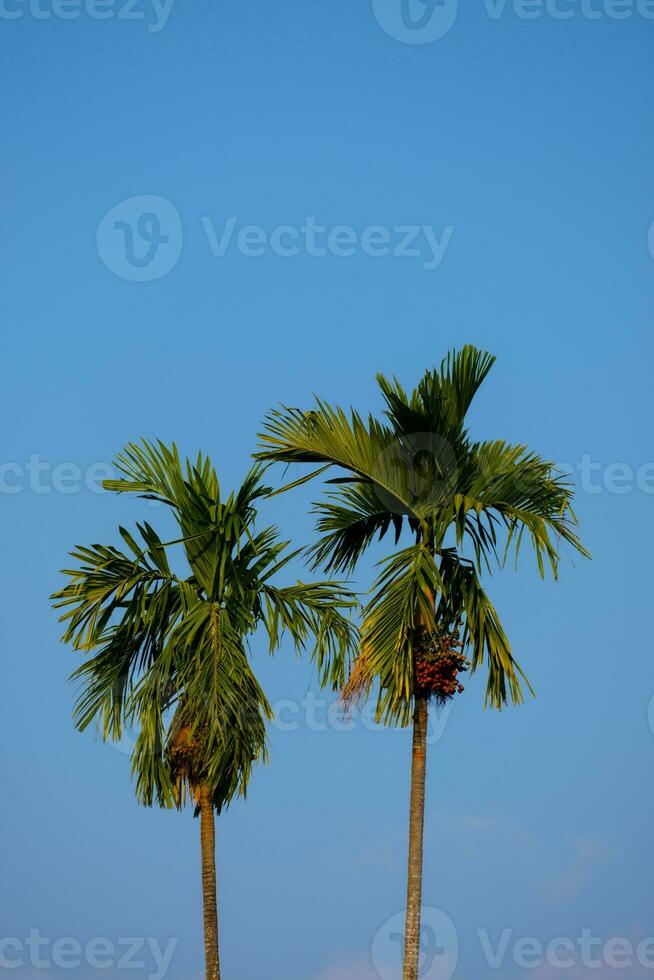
[419, 468]
[170, 652]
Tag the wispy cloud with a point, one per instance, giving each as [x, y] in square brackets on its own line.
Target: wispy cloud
[349, 968]
[589, 853]
[380, 857]
[587, 972]
[559, 874]
[470, 821]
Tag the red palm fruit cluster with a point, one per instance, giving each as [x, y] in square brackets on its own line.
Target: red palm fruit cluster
[437, 663]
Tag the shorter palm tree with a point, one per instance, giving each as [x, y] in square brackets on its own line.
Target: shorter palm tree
[169, 652]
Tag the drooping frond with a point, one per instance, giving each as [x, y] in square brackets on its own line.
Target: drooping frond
[464, 599]
[524, 491]
[417, 591]
[314, 616]
[402, 599]
[107, 580]
[349, 520]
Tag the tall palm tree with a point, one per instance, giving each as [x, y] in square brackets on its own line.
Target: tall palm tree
[169, 651]
[419, 470]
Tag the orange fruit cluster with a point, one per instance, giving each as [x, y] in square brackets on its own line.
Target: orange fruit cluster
[437, 663]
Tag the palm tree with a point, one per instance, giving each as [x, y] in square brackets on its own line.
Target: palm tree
[418, 470]
[169, 651]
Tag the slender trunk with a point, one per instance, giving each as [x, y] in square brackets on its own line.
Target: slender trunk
[210, 906]
[416, 833]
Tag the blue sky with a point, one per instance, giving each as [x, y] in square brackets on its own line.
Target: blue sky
[524, 146]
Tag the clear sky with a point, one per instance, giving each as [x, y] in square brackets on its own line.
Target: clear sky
[519, 152]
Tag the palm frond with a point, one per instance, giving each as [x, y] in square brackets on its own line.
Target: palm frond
[439, 403]
[402, 599]
[349, 520]
[327, 435]
[314, 615]
[464, 599]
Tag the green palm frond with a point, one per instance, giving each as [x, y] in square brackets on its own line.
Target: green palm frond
[349, 521]
[149, 469]
[441, 399]
[312, 613]
[464, 598]
[402, 598]
[328, 435]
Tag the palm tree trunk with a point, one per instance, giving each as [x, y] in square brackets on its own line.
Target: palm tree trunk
[210, 905]
[416, 833]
